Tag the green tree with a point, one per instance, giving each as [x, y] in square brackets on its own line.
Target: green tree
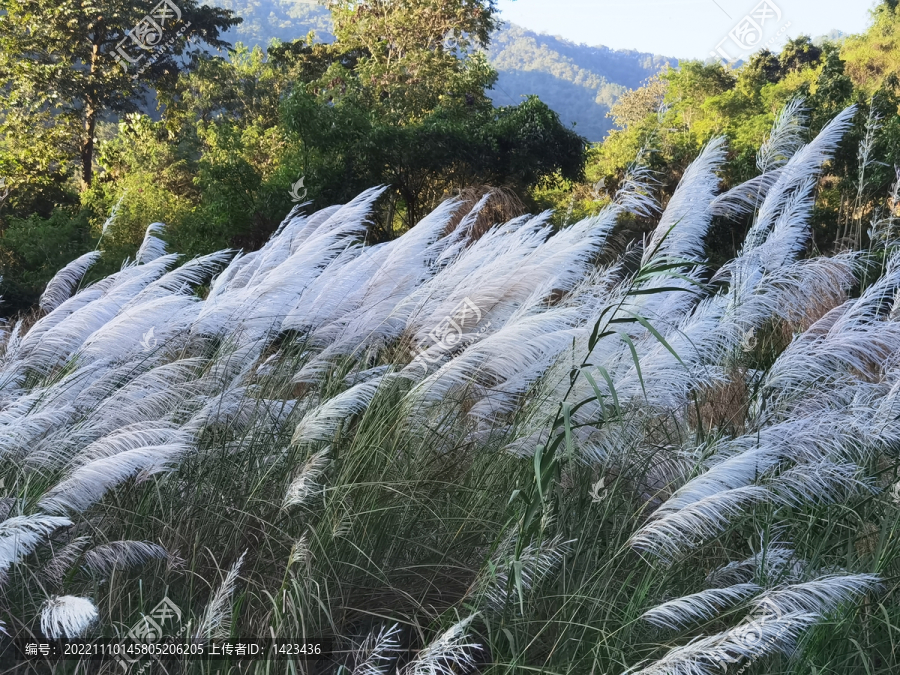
[33, 249]
[346, 150]
[799, 53]
[414, 54]
[875, 55]
[61, 61]
[408, 112]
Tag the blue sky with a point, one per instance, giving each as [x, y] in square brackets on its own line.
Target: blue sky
[684, 28]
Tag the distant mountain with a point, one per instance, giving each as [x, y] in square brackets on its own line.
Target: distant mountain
[577, 81]
[285, 20]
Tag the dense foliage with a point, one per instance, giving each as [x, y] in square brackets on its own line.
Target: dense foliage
[673, 115]
[398, 99]
[579, 82]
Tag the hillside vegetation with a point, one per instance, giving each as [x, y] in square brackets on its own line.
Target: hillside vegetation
[579, 82]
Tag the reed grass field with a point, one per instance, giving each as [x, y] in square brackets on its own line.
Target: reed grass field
[506, 449]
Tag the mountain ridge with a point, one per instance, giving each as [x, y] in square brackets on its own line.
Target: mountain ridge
[580, 82]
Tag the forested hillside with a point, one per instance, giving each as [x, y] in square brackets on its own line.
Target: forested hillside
[578, 82]
[284, 20]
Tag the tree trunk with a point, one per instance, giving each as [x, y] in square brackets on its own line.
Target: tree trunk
[90, 114]
[87, 146]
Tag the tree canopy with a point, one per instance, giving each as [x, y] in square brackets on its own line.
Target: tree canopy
[66, 64]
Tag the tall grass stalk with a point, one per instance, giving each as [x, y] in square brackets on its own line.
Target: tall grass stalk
[470, 449]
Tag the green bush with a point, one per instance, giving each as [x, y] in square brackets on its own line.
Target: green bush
[33, 249]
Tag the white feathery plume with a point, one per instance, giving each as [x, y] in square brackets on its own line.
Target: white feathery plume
[216, 620]
[852, 339]
[337, 290]
[696, 522]
[375, 289]
[12, 344]
[105, 558]
[304, 486]
[222, 282]
[65, 392]
[635, 193]
[791, 228]
[183, 279]
[786, 137]
[366, 375]
[131, 437]
[64, 282]
[63, 560]
[150, 396]
[536, 562]
[760, 637]
[303, 229]
[142, 327]
[20, 535]
[449, 654]
[377, 653]
[783, 142]
[152, 247]
[88, 483]
[743, 198]
[279, 278]
[516, 348]
[231, 364]
[804, 164]
[736, 471]
[239, 272]
[299, 551]
[497, 271]
[820, 596]
[774, 562]
[702, 606]
[320, 423]
[21, 434]
[233, 407]
[56, 344]
[685, 221]
[85, 297]
[113, 215]
[822, 482]
[67, 616]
